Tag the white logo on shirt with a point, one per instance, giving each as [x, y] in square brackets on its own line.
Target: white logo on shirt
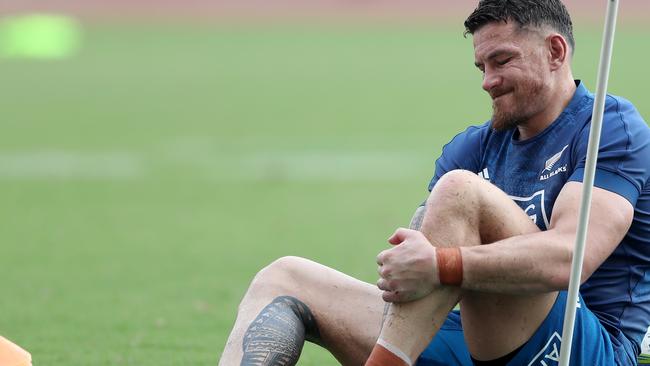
[533, 206]
[550, 163]
[645, 345]
[550, 353]
[484, 174]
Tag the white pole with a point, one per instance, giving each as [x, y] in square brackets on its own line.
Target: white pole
[588, 182]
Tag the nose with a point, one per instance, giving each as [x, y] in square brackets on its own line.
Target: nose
[490, 80]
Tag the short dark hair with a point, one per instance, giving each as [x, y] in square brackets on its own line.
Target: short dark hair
[537, 13]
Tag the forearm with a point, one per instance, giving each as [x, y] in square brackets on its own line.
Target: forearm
[538, 262]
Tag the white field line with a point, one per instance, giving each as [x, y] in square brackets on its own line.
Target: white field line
[61, 164]
[227, 161]
[332, 166]
[203, 163]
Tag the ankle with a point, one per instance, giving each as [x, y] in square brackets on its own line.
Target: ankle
[385, 354]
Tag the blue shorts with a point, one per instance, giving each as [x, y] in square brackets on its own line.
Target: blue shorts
[592, 345]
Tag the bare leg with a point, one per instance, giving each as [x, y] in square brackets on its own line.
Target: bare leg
[348, 312]
[464, 210]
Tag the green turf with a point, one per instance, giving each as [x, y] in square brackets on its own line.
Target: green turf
[145, 181]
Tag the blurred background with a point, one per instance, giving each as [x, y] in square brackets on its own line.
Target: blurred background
[154, 155]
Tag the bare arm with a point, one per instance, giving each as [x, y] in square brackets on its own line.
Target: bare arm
[542, 261]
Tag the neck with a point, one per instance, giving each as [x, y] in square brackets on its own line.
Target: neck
[559, 98]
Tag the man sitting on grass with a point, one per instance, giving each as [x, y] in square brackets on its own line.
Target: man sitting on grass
[496, 232]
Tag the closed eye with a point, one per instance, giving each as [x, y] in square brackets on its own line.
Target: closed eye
[504, 61]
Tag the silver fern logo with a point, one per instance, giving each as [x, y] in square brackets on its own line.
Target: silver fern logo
[553, 160]
[549, 167]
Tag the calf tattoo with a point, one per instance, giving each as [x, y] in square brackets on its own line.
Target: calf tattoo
[276, 336]
[418, 216]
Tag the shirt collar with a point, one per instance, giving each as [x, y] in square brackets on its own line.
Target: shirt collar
[581, 92]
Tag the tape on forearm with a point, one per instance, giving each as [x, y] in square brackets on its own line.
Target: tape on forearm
[450, 266]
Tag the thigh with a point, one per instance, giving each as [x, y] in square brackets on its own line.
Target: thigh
[591, 343]
[464, 208]
[348, 311]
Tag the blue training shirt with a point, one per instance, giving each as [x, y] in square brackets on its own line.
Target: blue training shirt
[532, 172]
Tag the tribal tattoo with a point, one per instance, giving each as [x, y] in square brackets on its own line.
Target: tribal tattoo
[418, 216]
[276, 336]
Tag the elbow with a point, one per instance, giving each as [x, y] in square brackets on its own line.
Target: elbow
[559, 280]
[587, 271]
[560, 276]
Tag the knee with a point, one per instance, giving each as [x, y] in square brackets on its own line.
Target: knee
[457, 179]
[280, 277]
[455, 188]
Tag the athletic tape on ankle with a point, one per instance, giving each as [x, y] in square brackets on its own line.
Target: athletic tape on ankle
[395, 351]
[450, 266]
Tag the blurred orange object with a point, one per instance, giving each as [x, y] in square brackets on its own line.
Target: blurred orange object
[12, 355]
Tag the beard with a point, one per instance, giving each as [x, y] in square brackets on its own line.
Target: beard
[524, 102]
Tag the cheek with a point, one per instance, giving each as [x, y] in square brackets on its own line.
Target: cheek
[537, 70]
[515, 76]
[530, 80]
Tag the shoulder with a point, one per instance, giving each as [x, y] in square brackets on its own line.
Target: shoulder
[472, 135]
[622, 122]
[464, 151]
[466, 148]
[623, 166]
[625, 115]
[623, 125]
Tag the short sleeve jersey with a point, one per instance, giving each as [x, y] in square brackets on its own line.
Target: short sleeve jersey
[532, 172]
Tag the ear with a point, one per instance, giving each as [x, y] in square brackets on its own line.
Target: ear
[558, 51]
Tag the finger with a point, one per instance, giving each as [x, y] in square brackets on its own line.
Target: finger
[387, 296]
[381, 258]
[399, 297]
[399, 236]
[382, 285]
[391, 296]
[386, 284]
[383, 272]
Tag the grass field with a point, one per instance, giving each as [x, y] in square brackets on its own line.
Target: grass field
[144, 181]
